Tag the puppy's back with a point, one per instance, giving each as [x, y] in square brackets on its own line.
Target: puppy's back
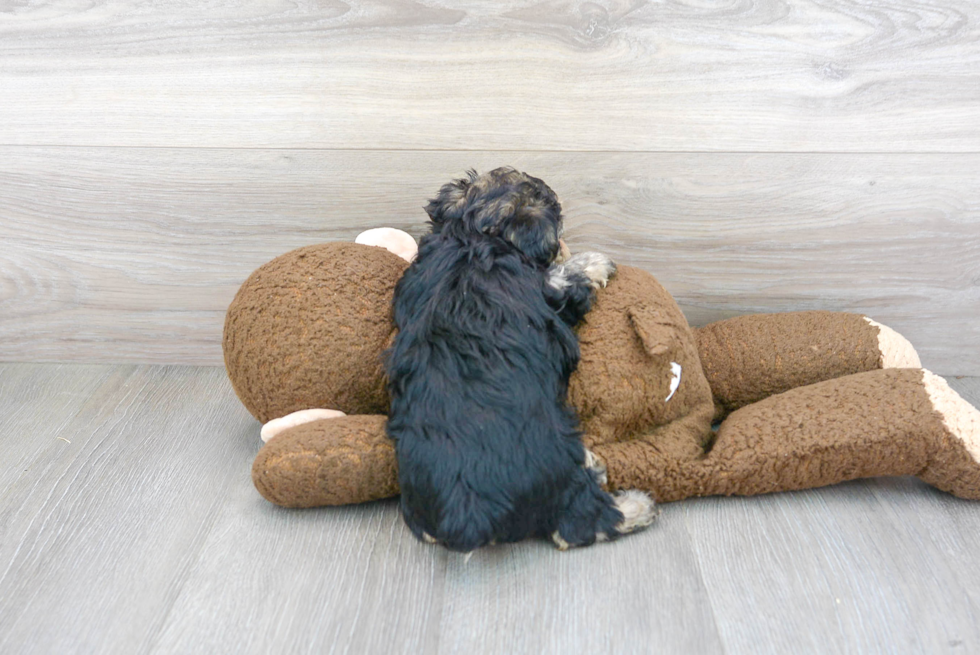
[478, 376]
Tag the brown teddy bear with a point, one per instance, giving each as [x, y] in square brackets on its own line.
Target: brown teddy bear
[803, 399]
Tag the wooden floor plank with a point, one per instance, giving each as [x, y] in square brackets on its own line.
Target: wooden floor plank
[149, 537]
[482, 74]
[37, 405]
[333, 580]
[642, 594]
[132, 255]
[869, 566]
[98, 543]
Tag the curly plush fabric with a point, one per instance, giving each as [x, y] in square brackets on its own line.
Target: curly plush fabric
[813, 399]
[639, 372]
[332, 297]
[305, 470]
[748, 358]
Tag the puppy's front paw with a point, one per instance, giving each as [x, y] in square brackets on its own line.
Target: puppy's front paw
[596, 266]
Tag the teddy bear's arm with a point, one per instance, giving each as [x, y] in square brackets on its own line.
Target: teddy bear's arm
[336, 461]
[660, 462]
[748, 358]
[875, 423]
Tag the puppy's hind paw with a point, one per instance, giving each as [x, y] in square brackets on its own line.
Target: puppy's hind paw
[596, 266]
[561, 543]
[597, 466]
[638, 510]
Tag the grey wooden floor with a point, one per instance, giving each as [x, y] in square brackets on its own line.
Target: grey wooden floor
[129, 524]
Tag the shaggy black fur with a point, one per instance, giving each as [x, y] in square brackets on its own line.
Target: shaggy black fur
[488, 450]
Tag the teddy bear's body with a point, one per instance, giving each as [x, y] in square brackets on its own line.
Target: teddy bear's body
[813, 397]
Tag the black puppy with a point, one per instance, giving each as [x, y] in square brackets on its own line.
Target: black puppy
[488, 450]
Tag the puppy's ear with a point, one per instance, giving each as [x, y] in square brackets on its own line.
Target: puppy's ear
[536, 237]
[450, 203]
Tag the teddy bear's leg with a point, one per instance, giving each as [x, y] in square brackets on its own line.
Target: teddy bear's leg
[748, 358]
[665, 463]
[884, 422]
[335, 461]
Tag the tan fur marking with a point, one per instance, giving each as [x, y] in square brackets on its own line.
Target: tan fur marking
[594, 463]
[561, 543]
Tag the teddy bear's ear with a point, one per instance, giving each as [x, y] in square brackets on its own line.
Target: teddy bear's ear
[654, 327]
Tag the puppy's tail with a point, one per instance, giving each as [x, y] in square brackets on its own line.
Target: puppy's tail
[590, 514]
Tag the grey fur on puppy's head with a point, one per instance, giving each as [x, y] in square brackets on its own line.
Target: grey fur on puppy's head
[505, 203]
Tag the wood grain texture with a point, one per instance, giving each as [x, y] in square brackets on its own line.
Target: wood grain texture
[98, 536]
[859, 567]
[132, 255]
[37, 403]
[767, 75]
[338, 580]
[145, 535]
[642, 594]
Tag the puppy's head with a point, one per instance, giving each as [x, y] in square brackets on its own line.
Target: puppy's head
[502, 203]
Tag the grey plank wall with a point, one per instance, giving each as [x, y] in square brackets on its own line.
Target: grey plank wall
[492, 74]
[763, 156]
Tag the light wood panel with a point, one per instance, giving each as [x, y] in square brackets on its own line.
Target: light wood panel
[642, 594]
[612, 75]
[132, 255]
[341, 580]
[860, 567]
[37, 404]
[100, 532]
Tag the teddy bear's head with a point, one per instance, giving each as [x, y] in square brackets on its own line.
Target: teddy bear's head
[307, 329]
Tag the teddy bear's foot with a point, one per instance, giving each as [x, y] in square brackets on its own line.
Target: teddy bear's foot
[335, 461]
[275, 426]
[955, 463]
[895, 351]
[898, 421]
